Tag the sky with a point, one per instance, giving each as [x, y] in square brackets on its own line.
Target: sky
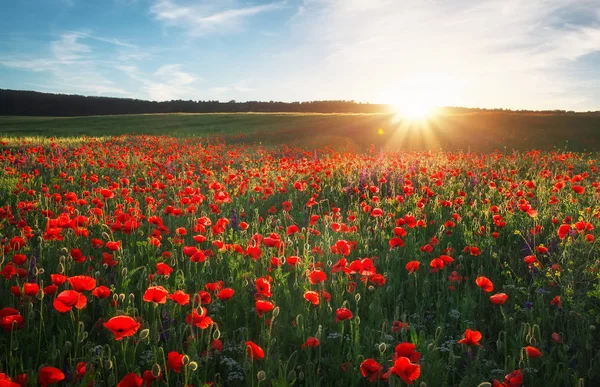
[531, 54]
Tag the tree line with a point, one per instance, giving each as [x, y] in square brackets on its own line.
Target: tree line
[32, 103]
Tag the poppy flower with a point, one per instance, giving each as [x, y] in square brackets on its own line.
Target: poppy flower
[58, 279]
[533, 352]
[6, 382]
[263, 287]
[317, 276]
[225, 294]
[471, 338]
[66, 300]
[556, 302]
[31, 289]
[578, 189]
[514, 379]
[263, 306]
[122, 326]
[311, 342]
[163, 269]
[498, 298]
[563, 230]
[202, 321]
[485, 284]
[407, 350]
[174, 361]
[312, 297]
[113, 246]
[156, 294]
[180, 297]
[342, 314]
[50, 375]
[405, 370]
[436, 264]
[369, 368]
[254, 351]
[412, 266]
[82, 283]
[131, 380]
[101, 292]
[11, 319]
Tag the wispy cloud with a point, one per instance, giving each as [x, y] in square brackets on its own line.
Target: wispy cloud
[209, 17]
[167, 83]
[498, 52]
[71, 63]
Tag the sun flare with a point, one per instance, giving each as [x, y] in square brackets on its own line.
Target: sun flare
[415, 110]
[417, 97]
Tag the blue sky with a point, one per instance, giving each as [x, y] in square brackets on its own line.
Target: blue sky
[534, 54]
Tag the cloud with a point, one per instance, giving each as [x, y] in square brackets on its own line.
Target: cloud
[71, 65]
[216, 17]
[168, 82]
[504, 53]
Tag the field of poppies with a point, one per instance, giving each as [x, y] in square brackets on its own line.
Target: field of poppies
[154, 260]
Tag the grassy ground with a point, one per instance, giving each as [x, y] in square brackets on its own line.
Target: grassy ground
[478, 132]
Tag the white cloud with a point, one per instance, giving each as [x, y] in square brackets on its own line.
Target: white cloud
[505, 53]
[208, 17]
[71, 65]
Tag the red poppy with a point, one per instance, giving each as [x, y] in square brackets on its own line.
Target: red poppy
[312, 297]
[263, 287]
[412, 266]
[342, 314]
[498, 298]
[58, 279]
[31, 289]
[175, 361]
[202, 321]
[407, 350]
[225, 294]
[406, 370]
[180, 297]
[68, 299]
[533, 352]
[131, 380]
[263, 306]
[113, 246]
[556, 302]
[311, 342]
[82, 283]
[122, 326]
[50, 375]
[578, 189]
[254, 351]
[485, 284]
[369, 368]
[11, 319]
[156, 294]
[101, 292]
[514, 379]
[317, 276]
[471, 338]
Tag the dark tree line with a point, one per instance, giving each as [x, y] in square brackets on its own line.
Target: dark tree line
[32, 103]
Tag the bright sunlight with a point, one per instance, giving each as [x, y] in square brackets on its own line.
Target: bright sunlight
[417, 97]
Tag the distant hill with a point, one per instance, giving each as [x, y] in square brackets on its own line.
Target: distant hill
[33, 103]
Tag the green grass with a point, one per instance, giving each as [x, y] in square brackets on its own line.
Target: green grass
[476, 132]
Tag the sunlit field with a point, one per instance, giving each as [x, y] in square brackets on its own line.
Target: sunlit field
[156, 260]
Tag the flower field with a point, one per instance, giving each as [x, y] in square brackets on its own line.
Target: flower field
[155, 260]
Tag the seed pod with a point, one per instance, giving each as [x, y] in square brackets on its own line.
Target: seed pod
[261, 376]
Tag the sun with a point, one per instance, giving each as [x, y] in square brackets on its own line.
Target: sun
[415, 110]
[417, 97]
